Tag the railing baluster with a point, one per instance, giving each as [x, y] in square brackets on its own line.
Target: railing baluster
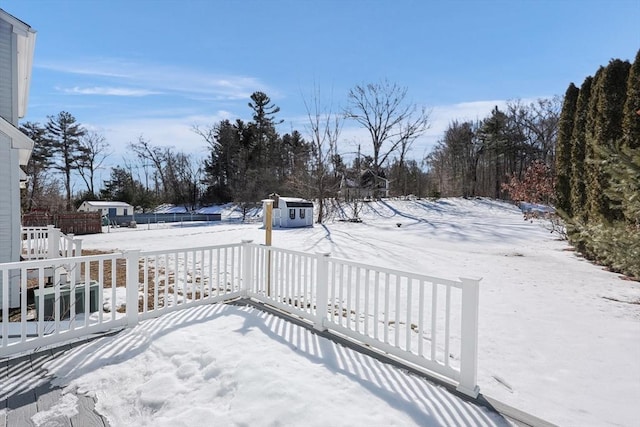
[376, 306]
[386, 308]
[347, 317]
[421, 319]
[100, 288]
[145, 284]
[210, 275]
[114, 284]
[41, 301]
[357, 314]
[447, 322]
[23, 304]
[409, 320]
[5, 307]
[434, 311]
[366, 313]
[397, 312]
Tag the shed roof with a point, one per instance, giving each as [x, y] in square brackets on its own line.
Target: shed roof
[105, 204]
[296, 202]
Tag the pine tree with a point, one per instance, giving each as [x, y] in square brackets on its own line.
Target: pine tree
[631, 119]
[578, 152]
[63, 134]
[605, 129]
[563, 150]
[39, 162]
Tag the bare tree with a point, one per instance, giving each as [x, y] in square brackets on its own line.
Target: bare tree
[94, 150]
[147, 152]
[324, 127]
[383, 109]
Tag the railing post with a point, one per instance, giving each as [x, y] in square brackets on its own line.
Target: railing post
[469, 341]
[247, 271]
[76, 252]
[322, 290]
[53, 242]
[132, 258]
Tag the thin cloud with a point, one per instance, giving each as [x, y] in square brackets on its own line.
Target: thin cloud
[108, 91]
[160, 78]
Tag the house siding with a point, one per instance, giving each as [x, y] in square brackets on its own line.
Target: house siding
[7, 220]
[6, 71]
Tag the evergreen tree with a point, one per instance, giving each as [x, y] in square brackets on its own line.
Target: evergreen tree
[631, 115]
[606, 131]
[39, 162]
[578, 152]
[63, 134]
[563, 150]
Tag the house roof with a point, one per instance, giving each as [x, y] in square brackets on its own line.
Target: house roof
[26, 45]
[19, 141]
[109, 204]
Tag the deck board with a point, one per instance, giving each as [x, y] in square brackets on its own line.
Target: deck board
[26, 389]
[47, 398]
[21, 407]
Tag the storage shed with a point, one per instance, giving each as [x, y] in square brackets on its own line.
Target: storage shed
[106, 208]
[290, 212]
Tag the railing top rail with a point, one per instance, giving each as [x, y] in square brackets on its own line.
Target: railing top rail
[196, 249]
[32, 264]
[283, 250]
[409, 275]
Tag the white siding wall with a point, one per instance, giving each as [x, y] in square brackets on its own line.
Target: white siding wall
[6, 198]
[6, 71]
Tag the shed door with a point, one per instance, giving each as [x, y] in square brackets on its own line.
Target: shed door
[112, 212]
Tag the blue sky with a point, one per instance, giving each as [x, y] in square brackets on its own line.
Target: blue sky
[155, 68]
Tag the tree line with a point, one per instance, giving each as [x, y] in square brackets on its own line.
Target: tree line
[480, 158]
[246, 159]
[598, 165]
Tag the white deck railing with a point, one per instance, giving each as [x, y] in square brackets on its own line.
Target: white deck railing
[428, 322]
[48, 242]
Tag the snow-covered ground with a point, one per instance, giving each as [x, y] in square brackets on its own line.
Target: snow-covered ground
[559, 337]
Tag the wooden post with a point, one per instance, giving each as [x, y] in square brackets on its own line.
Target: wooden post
[268, 222]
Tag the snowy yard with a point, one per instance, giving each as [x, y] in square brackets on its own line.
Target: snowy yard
[559, 337]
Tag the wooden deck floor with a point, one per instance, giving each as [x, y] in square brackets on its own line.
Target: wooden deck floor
[25, 390]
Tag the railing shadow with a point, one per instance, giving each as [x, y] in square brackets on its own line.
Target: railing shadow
[425, 403]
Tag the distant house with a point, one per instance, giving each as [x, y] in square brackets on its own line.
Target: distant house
[109, 209]
[17, 41]
[290, 212]
[368, 185]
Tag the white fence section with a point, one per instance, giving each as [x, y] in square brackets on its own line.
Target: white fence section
[428, 322]
[48, 242]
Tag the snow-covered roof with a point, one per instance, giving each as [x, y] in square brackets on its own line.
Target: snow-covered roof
[105, 204]
[169, 208]
[208, 210]
[296, 202]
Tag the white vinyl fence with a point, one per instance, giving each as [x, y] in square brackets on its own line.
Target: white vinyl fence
[48, 242]
[427, 322]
